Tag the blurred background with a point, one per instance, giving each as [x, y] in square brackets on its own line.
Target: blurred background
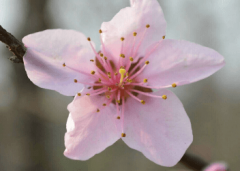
[32, 120]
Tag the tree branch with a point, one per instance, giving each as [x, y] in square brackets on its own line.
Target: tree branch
[13, 45]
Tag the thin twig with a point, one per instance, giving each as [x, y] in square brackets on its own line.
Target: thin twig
[13, 45]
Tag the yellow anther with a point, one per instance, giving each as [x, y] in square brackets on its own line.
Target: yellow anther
[88, 94]
[98, 110]
[145, 80]
[118, 101]
[174, 85]
[92, 72]
[147, 25]
[122, 55]
[129, 80]
[163, 37]
[108, 73]
[105, 57]
[64, 64]
[75, 80]
[79, 94]
[99, 80]
[131, 59]
[107, 96]
[121, 67]
[101, 54]
[109, 88]
[118, 117]
[104, 104]
[91, 60]
[164, 97]
[134, 33]
[143, 102]
[100, 31]
[147, 62]
[115, 73]
[123, 135]
[88, 39]
[122, 39]
[109, 76]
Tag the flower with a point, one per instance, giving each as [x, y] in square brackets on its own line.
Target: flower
[217, 167]
[113, 87]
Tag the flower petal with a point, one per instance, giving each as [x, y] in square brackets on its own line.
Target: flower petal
[54, 58]
[89, 132]
[180, 62]
[134, 19]
[160, 129]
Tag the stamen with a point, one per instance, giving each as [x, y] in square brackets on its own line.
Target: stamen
[64, 64]
[101, 54]
[122, 39]
[163, 37]
[134, 33]
[105, 58]
[147, 62]
[92, 72]
[118, 117]
[122, 55]
[99, 80]
[89, 39]
[88, 94]
[131, 59]
[123, 135]
[98, 110]
[109, 88]
[145, 80]
[100, 31]
[75, 80]
[104, 104]
[174, 85]
[164, 97]
[91, 60]
[130, 94]
[79, 94]
[107, 96]
[147, 26]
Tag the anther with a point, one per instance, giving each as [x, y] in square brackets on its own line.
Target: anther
[101, 54]
[123, 135]
[127, 74]
[98, 110]
[118, 101]
[88, 94]
[164, 97]
[147, 62]
[174, 85]
[109, 88]
[104, 104]
[89, 39]
[143, 102]
[147, 25]
[134, 33]
[91, 60]
[109, 76]
[107, 96]
[79, 94]
[115, 73]
[64, 64]
[145, 80]
[122, 39]
[131, 59]
[108, 73]
[75, 80]
[118, 117]
[99, 80]
[163, 37]
[122, 55]
[129, 80]
[105, 57]
[92, 72]
[100, 31]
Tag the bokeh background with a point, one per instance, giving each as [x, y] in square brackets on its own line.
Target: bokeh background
[32, 120]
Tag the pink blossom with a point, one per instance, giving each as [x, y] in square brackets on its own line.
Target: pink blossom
[217, 167]
[113, 87]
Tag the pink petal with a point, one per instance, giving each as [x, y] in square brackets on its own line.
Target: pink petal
[160, 129]
[48, 50]
[134, 19]
[180, 62]
[89, 132]
[217, 167]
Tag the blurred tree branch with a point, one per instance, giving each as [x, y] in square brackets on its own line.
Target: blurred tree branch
[13, 45]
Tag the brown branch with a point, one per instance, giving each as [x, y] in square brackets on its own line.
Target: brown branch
[13, 45]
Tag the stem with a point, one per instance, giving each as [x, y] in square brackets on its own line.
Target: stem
[13, 45]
